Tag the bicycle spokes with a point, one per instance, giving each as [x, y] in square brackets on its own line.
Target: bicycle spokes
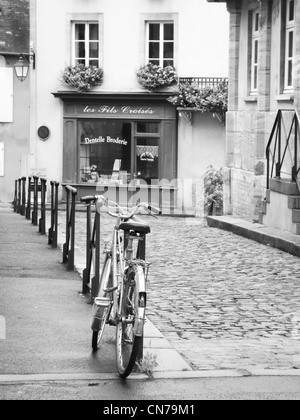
[127, 342]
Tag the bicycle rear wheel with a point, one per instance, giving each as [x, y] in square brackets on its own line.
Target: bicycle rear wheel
[130, 325]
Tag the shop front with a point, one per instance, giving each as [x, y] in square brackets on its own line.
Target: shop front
[120, 145]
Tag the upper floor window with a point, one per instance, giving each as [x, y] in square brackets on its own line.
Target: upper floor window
[160, 43]
[289, 44]
[254, 52]
[86, 43]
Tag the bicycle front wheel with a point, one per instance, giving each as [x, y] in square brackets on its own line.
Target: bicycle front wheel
[131, 322]
[102, 307]
[98, 334]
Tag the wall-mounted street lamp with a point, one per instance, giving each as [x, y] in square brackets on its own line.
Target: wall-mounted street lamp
[22, 65]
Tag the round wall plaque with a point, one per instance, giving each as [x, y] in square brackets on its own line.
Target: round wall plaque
[43, 132]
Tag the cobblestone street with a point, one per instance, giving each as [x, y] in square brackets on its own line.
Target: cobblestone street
[221, 300]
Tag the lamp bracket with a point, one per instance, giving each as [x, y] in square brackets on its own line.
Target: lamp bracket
[30, 57]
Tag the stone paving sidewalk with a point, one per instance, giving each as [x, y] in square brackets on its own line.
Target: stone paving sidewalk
[221, 300]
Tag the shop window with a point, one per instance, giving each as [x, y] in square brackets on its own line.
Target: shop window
[147, 127]
[86, 43]
[160, 43]
[147, 154]
[105, 150]
[119, 151]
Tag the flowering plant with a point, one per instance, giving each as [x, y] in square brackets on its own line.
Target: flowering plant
[82, 78]
[212, 99]
[152, 76]
[213, 189]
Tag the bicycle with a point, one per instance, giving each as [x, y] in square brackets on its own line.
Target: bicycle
[121, 299]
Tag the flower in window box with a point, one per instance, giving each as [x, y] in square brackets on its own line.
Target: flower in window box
[208, 99]
[82, 78]
[152, 76]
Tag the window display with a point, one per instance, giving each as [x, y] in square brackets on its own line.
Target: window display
[105, 148]
[147, 152]
[119, 151]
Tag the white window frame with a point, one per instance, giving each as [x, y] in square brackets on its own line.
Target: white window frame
[289, 59]
[87, 41]
[254, 52]
[161, 41]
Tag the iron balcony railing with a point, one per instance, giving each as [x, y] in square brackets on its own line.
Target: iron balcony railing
[203, 82]
[283, 149]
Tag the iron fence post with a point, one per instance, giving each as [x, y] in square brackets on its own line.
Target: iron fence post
[294, 169]
[28, 207]
[42, 220]
[87, 271]
[278, 164]
[96, 244]
[23, 205]
[69, 246]
[35, 201]
[15, 202]
[92, 249]
[19, 196]
[52, 232]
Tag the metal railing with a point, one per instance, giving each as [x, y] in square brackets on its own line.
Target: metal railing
[282, 152]
[69, 245]
[23, 204]
[203, 82]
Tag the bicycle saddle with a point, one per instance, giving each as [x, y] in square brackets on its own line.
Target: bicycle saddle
[136, 227]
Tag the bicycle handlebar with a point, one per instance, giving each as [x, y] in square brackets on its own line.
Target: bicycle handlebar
[101, 201]
[154, 209]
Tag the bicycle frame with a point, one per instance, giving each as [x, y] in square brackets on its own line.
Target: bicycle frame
[124, 255]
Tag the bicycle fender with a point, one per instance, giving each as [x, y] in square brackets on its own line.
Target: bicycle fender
[139, 323]
[141, 295]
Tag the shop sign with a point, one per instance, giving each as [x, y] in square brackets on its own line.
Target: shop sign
[106, 139]
[118, 110]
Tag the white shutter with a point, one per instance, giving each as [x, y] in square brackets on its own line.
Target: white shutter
[6, 94]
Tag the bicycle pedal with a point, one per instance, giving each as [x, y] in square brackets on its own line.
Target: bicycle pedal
[103, 301]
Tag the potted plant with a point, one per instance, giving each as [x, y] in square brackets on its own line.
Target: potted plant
[152, 76]
[213, 191]
[186, 96]
[82, 78]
